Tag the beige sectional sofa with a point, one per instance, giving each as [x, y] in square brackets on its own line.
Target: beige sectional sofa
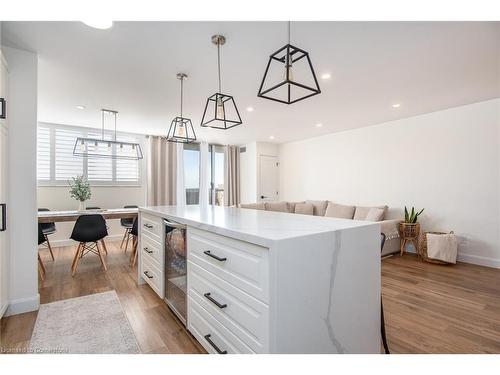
[330, 209]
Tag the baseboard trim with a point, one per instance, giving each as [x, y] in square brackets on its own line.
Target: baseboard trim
[23, 305]
[478, 260]
[68, 242]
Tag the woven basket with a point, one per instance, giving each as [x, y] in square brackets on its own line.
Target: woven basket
[422, 248]
[409, 230]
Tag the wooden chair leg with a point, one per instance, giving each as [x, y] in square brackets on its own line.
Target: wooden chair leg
[48, 245]
[42, 268]
[134, 251]
[101, 256]
[104, 246]
[123, 239]
[128, 237]
[75, 256]
[78, 255]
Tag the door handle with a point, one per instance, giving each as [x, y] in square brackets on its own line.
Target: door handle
[148, 275]
[146, 249]
[3, 225]
[263, 197]
[207, 337]
[216, 303]
[2, 108]
[149, 226]
[207, 252]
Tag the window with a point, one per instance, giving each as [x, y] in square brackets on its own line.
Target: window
[56, 163]
[216, 174]
[192, 172]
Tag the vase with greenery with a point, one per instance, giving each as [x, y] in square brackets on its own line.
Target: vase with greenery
[80, 190]
[410, 228]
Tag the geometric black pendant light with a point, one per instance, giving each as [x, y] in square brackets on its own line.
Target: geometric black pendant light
[181, 129]
[220, 111]
[289, 75]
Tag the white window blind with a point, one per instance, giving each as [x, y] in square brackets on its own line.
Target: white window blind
[99, 169]
[56, 163]
[43, 154]
[126, 171]
[66, 165]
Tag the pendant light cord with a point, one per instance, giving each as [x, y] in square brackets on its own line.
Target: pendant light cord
[218, 64]
[102, 124]
[182, 85]
[289, 32]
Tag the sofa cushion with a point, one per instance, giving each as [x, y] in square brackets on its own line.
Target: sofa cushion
[319, 207]
[304, 208]
[375, 214]
[277, 206]
[291, 206]
[339, 210]
[361, 212]
[255, 206]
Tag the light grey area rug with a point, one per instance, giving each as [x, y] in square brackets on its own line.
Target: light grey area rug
[92, 324]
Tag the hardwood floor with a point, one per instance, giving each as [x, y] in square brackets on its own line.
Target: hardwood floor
[156, 328]
[440, 309]
[428, 308]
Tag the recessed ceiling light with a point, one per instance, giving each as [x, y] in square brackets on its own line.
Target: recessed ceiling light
[99, 24]
[396, 105]
[250, 109]
[271, 137]
[326, 76]
[319, 125]
[80, 107]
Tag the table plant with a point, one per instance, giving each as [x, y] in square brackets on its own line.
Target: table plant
[80, 190]
[410, 228]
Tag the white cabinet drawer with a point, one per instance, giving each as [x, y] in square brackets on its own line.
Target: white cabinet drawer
[152, 226]
[243, 315]
[211, 334]
[241, 264]
[153, 276]
[152, 249]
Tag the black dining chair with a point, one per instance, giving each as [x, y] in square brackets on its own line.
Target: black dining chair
[135, 239]
[127, 224]
[102, 241]
[89, 231]
[47, 229]
[382, 320]
[41, 240]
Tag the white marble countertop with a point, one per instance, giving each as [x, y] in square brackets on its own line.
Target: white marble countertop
[255, 226]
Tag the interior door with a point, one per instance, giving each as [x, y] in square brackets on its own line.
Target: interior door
[4, 240]
[268, 178]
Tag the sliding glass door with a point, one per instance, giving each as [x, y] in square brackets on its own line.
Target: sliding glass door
[216, 175]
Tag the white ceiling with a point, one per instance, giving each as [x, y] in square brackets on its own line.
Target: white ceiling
[425, 66]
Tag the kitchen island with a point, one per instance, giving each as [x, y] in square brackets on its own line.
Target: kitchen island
[271, 282]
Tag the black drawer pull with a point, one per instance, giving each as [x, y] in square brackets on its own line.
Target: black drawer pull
[216, 303]
[148, 275]
[207, 337]
[149, 226]
[148, 251]
[207, 252]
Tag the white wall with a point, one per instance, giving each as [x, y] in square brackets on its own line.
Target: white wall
[250, 168]
[447, 162]
[22, 112]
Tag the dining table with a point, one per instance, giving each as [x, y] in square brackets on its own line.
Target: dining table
[107, 213]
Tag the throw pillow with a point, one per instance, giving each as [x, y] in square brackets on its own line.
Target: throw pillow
[375, 214]
[339, 210]
[304, 208]
[319, 207]
[277, 206]
[254, 206]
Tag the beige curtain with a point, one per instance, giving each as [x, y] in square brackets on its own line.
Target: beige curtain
[162, 169]
[231, 176]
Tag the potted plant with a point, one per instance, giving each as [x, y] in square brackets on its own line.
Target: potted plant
[80, 190]
[410, 228]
